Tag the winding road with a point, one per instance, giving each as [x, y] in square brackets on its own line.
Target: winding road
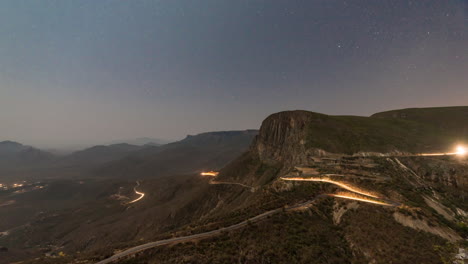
[214, 174]
[133, 250]
[137, 192]
[296, 207]
[252, 189]
[355, 193]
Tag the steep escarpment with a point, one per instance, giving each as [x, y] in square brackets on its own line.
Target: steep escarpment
[282, 137]
[424, 210]
[374, 154]
[279, 145]
[291, 138]
[294, 136]
[323, 189]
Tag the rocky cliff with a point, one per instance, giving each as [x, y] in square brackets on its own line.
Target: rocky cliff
[336, 197]
[282, 137]
[301, 156]
[374, 153]
[293, 137]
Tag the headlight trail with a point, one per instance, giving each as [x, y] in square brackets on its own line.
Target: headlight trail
[137, 192]
[439, 154]
[352, 196]
[213, 181]
[460, 151]
[341, 184]
[210, 173]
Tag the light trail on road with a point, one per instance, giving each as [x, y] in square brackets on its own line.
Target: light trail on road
[459, 151]
[214, 182]
[139, 193]
[352, 196]
[300, 206]
[341, 184]
[210, 173]
[440, 154]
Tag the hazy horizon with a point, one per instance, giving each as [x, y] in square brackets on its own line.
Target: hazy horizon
[73, 146]
[81, 73]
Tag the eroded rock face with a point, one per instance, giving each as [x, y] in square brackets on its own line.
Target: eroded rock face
[452, 173]
[419, 224]
[282, 138]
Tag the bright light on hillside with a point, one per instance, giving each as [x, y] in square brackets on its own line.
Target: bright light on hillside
[210, 173]
[461, 150]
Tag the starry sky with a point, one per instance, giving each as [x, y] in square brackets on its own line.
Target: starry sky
[87, 72]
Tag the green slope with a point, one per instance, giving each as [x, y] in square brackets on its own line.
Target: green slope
[452, 120]
[351, 134]
[409, 130]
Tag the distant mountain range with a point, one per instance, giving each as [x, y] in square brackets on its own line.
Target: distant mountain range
[141, 141]
[100, 154]
[419, 200]
[206, 150]
[14, 154]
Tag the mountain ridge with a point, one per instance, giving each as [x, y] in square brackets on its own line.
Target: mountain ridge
[427, 215]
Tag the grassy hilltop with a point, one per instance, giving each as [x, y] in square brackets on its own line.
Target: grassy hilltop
[409, 130]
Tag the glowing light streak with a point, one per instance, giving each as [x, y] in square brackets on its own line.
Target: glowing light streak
[355, 197]
[436, 154]
[459, 151]
[210, 173]
[341, 184]
[139, 193]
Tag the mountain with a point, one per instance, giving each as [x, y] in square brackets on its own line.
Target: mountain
[20, 161]
[353, 134]
[100, 154]
[8, 147]
[448, 119]
[295, 138]
[194, 153]
[370, 184]
[204, 151]
[142, 141]
[15, 154]
[308, 188]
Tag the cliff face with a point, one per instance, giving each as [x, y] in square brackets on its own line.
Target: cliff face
[282, 137]
[293, 136]
[427, 193]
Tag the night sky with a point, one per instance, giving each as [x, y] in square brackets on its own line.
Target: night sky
[87, 72]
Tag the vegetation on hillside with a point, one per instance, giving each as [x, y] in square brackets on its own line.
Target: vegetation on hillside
[352, 134]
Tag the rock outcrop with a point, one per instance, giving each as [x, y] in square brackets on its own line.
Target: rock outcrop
[282, 138]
